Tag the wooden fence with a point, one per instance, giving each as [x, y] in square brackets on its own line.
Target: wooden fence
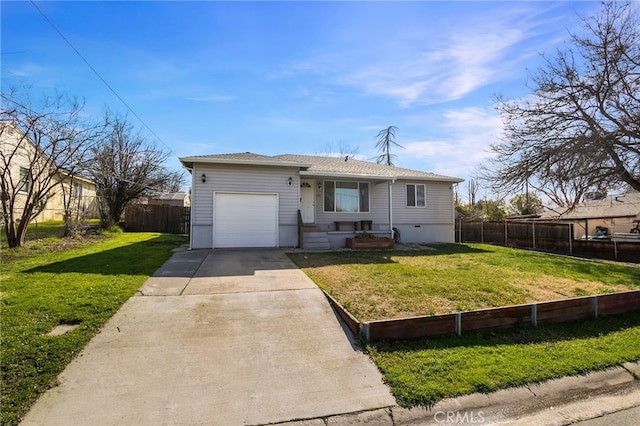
[157, 218]
[494, 318]
[545, 236]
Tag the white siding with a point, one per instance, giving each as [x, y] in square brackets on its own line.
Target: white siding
[240, 178]
[432, 223]
[439, 204]
[429, 224]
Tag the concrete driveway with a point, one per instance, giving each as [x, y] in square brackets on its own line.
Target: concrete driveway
[217, 338]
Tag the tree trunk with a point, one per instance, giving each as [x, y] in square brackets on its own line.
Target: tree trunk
[11, 236]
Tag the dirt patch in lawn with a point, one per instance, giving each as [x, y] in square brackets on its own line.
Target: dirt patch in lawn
[386, 285]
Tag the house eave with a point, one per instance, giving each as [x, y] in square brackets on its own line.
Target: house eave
[315, 174]
[188, 162]
[320, 174]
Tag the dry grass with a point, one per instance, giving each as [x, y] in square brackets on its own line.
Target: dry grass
[384, 285]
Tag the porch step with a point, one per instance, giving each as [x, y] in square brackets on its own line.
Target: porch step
[315, 240]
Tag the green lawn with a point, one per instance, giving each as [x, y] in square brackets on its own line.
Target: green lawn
[376, 285]
[382, 285]
[422, 372]
[45, 285]
[37, 230]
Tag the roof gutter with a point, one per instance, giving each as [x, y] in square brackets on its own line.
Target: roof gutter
[189, 161]
[307, 173]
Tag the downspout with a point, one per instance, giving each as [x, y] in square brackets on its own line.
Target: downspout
[453, 214]
[390, 183]
[191, 210]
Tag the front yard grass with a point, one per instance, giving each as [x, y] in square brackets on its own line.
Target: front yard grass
[45, 285]
[422, 372]
[446, 278]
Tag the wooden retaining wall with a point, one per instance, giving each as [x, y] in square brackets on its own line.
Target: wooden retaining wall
[494, 318]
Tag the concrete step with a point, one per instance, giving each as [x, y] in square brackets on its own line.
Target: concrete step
[315, 240]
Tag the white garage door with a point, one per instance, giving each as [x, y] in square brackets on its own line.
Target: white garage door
[245, 220]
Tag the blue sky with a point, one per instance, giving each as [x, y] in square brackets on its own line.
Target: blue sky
[295, 77]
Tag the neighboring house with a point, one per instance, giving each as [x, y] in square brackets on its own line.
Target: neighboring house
[251, 200]
[19, 155]
[615, 213]
[179, 199]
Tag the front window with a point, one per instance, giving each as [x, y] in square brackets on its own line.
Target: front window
[346, 197]
[416, 195]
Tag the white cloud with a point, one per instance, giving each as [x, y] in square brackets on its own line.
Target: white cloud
[469, 132]
[451, 67]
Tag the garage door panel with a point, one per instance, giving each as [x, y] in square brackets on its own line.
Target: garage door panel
[245, 220]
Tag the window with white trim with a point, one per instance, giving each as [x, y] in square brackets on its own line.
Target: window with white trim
[416, 195]
[346, 197]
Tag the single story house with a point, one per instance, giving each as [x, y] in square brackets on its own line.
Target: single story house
[615, 213]
[252, 200]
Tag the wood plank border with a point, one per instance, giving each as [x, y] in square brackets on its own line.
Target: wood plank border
[491, 319]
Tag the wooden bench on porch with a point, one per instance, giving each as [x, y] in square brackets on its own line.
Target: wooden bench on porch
[358, 225]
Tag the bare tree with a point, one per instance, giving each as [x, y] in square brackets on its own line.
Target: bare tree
[580, 128]
[78, 208]
[126, 166]
[42, 145]
[386, 139]
[340, 150]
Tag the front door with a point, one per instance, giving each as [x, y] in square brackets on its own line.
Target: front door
[308, 201]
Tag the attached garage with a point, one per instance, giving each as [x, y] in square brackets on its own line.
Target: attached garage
[245, 219]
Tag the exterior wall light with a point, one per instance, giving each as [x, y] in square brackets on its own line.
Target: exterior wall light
[204, 178]
[290, 181]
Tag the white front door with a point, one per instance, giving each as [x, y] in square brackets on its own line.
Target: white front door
[308, 201]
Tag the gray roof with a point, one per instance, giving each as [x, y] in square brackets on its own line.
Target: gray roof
[321, 166]
[627, 205]
[238, 158]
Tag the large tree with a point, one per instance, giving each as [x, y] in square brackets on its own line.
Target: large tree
[43, 144]
[126, 166]
[580, 128]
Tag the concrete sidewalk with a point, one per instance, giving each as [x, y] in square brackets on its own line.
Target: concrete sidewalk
[564, 401]
[217, 338]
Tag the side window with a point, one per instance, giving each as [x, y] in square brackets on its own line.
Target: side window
[416, 195]
[77, 190]
[25, 180]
